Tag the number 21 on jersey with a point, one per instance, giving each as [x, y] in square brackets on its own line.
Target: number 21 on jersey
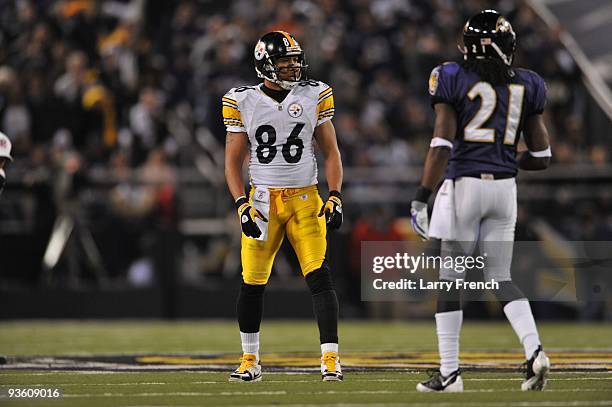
[474, 130]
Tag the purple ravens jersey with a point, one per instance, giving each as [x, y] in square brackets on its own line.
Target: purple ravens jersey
[489, 118]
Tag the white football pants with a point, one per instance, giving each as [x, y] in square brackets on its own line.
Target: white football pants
[485, 213]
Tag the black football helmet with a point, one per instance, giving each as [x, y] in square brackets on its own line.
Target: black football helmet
[489, 35]
[271, 47]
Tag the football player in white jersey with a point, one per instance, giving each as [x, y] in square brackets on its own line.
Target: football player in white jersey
[275, 124]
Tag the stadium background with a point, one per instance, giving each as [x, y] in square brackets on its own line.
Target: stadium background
[113, 108]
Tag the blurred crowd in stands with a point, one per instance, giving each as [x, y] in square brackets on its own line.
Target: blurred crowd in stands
[112, 88]
[134, 81]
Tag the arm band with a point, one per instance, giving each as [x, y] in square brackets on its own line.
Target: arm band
[543, 153]
[440, 142]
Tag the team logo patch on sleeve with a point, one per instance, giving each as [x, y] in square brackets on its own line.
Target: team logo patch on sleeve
[433, 80]
[295, 110]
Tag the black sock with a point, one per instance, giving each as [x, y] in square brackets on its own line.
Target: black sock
[326, 307]
[325, 304]
[250, 307]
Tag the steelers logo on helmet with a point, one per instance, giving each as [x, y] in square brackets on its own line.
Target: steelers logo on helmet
[260, 50]
[295, 110]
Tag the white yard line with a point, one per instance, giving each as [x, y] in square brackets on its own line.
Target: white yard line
[283, 392]
[464, 391]
[448, 404]
[180, 394]
[411, 380]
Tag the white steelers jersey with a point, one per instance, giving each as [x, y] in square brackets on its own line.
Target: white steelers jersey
[280, 134]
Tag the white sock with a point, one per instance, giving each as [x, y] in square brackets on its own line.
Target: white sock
[250, 343]
[329, 347]
[448, 326]
[519, 314]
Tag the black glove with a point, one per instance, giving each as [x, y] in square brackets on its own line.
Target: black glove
[247, 215]
[418, 212]
[332, 210]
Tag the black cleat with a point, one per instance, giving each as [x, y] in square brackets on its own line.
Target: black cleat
[536, 371]
[438, 383]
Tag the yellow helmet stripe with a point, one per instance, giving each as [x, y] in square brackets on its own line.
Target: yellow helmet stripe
[289, 38]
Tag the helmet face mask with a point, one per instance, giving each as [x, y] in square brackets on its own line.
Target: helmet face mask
[488, 35]
[280, 59]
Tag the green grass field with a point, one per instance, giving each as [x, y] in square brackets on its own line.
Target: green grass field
[571, 346]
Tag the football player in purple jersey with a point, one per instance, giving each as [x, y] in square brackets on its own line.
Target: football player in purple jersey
[482, 106]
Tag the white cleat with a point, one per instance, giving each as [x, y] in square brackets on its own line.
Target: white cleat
[248, 371]
[453, 383]
[536, 371]
[331, 370]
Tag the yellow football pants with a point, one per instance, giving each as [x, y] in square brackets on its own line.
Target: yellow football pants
[292, 211]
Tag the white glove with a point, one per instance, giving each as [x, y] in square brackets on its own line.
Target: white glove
[419, 219]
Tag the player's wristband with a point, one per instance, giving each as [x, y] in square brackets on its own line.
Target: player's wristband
[422, 194]
[541, 154]
[241, 201]
[440, 142]
[335, 193]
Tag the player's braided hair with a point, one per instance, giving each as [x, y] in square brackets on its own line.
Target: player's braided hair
[493, 71]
